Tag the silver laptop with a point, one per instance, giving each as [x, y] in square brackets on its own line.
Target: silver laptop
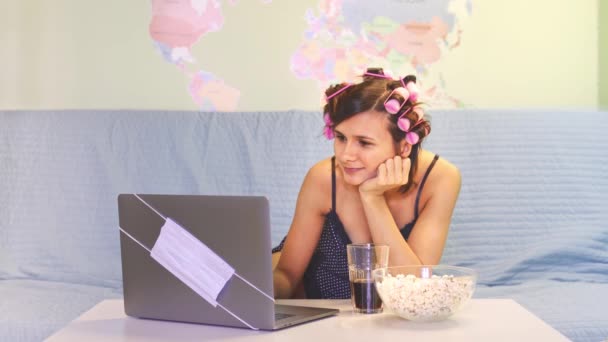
[236, 228]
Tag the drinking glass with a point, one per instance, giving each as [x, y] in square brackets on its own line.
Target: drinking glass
[362, 260]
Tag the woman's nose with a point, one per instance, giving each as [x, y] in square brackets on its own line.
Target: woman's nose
[350, 151]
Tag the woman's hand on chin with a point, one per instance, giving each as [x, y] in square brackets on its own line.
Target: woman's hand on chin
[391, 174]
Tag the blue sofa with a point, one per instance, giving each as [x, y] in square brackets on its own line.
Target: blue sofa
[531, 216]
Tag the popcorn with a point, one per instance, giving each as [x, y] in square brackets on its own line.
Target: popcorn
[425, 299]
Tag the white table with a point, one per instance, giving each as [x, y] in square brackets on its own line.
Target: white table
[480, 320]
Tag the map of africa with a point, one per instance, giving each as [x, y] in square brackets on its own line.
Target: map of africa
[342, 38]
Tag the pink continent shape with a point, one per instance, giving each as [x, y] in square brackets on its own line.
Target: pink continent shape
[419, 40]
[211, 93]
[177, 23]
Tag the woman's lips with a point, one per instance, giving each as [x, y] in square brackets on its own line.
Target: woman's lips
[351, 170]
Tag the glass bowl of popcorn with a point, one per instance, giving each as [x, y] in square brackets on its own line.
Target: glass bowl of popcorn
[425, 293]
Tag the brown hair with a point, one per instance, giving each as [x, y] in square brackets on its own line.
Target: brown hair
[370, 94]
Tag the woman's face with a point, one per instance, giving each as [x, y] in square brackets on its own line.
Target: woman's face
[362, 143]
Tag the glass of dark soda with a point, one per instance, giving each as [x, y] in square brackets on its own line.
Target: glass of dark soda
[362, 260]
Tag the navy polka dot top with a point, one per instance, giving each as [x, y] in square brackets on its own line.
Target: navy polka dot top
[326, 276]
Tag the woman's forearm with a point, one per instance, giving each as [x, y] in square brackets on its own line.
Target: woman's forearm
[282, 286]
[384, 230]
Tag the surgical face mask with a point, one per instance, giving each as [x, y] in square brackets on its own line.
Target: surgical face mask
[191, 261]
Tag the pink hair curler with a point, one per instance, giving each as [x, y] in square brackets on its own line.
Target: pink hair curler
[419, 112]
[339, 91]
[367, 73]
[403, 123]
[412, 138]
[393, 105]
[327, 131]
[414, 91]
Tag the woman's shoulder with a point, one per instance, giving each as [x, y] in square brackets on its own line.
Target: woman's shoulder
[317, 186]
[320, 173]
[443, 173]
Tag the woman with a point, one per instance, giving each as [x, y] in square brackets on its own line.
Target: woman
[379, 187]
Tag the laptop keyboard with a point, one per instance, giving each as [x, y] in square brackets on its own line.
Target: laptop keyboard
[279, 316]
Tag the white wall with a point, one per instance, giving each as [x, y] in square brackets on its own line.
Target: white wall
[65, 54]
[518, 53]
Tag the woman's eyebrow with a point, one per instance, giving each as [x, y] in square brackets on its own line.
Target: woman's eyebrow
[362, 137]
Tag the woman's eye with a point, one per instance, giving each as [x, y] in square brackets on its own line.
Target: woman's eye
[364, 143]
[341, 138]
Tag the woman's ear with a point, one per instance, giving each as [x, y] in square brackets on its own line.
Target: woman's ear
[405, 149]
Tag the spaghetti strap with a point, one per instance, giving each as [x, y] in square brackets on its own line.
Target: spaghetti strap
[426, 174]
[333, 183]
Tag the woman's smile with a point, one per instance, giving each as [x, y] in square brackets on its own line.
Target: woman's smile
[352, 170]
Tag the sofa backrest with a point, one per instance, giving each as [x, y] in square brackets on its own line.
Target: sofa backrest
[535, 183]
